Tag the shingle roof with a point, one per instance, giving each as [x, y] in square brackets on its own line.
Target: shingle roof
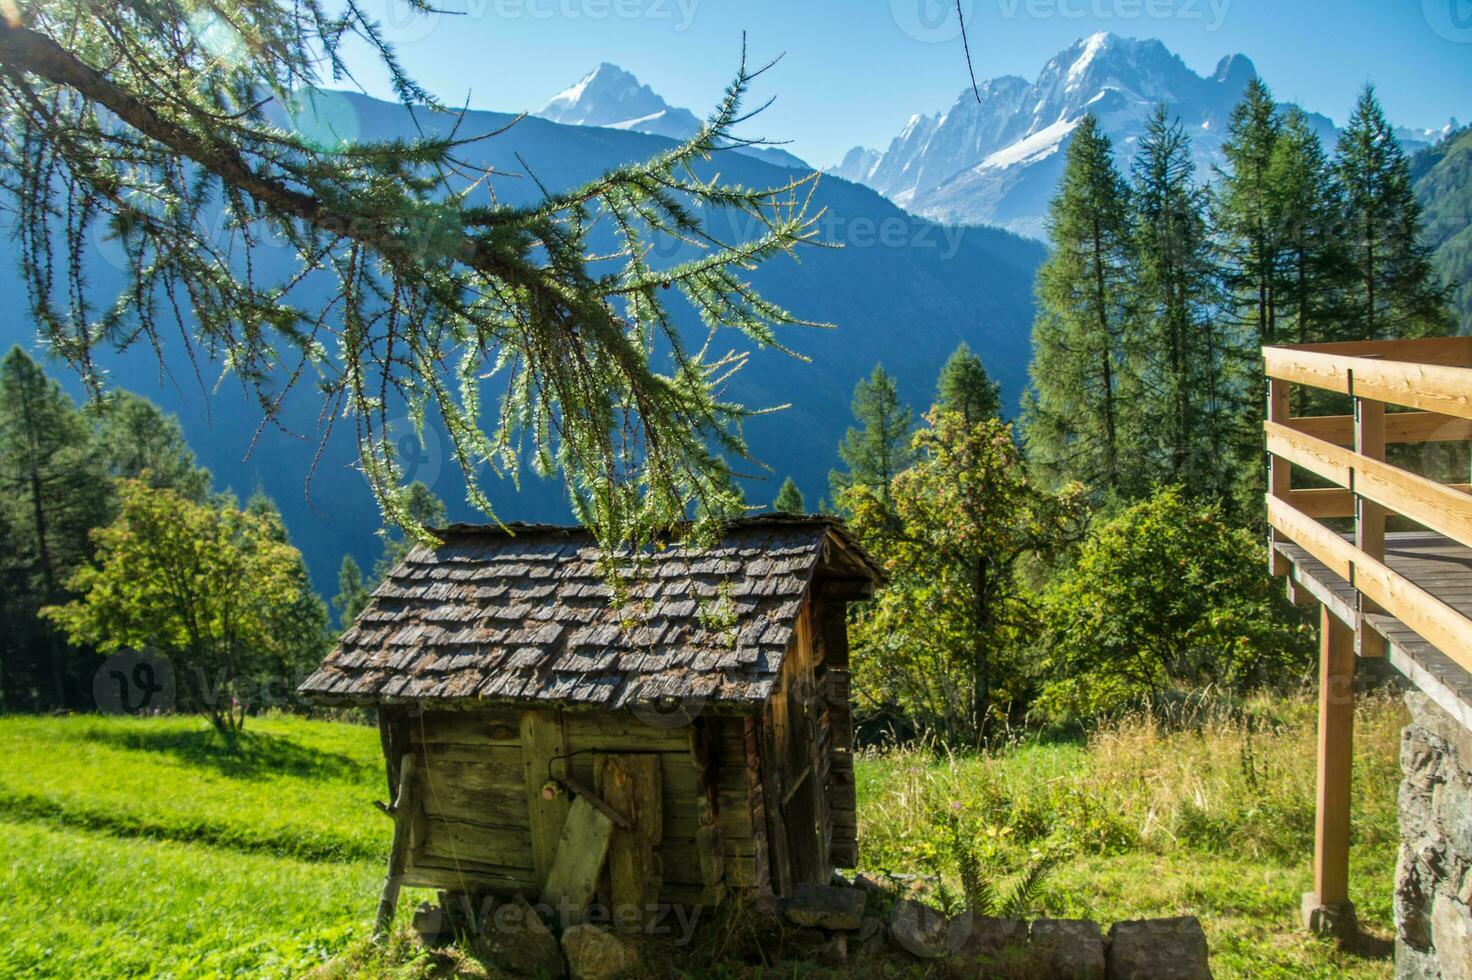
[525, 614]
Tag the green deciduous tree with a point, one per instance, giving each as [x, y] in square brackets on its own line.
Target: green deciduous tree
[1166, 595]
[209, 585]
[879, 447]
[942, 638]
[186, 133]
[1395, 292]
[1078, 412]
[966, 389]
[789, 499]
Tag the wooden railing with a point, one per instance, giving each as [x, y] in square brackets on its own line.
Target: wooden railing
[1433, 379]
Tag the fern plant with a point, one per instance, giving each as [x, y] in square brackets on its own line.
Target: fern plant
[981, 882]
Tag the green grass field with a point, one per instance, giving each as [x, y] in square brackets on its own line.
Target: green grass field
[144, 847]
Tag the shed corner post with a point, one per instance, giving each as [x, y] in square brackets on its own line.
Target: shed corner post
[1327, 909]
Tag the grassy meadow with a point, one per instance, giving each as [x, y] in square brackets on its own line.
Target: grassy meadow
[144, 847]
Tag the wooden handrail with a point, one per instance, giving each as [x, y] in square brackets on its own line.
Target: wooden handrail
[1430, 387]
[1433, 620]
[1399, 427]
[1441, 508]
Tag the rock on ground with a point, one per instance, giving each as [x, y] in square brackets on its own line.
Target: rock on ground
[918, 929]
[513, 938]
[597, 954]
[826, 907]
[1069, 949]
[1158, 949]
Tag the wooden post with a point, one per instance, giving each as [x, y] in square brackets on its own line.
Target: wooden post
[708, 838]
[633, 785]
[1369, 517]
[402, 811]
[1327, 908]
[544, 750]
[1280, 471]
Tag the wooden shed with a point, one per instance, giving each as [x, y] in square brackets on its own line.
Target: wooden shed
[548, 738]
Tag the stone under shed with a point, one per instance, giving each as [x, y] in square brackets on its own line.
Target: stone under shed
[558, 734]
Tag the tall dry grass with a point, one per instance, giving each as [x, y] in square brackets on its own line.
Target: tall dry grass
[1210, 775]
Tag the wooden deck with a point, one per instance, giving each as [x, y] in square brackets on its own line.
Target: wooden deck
[1435, 563]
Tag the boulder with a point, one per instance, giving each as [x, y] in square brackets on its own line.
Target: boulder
[1068, 949]
[513, 938]
[1158, 949]
[1451, 924]
[597, 954]
[826, 907]
[918, 929]
[432, 925]
[973, 935]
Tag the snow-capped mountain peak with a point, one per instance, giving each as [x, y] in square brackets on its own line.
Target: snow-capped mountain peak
[614, 98]
[997, 161]
[606, 96]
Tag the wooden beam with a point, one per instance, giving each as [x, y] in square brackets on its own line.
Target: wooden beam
[544, 750]
[1444, 509]
[1424, 385]
[708, 836]
[582, 849]
[1369, 519]
[1400, 427]
[1336, 758]
[1431, 619]
[398, 852]
[1450, 351]
[1280, 471]
[1324, 502]
[633, 785]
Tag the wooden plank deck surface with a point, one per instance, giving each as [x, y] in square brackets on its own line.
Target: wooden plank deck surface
[1435, 563]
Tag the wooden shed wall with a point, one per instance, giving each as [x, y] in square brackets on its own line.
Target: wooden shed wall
[479, 776]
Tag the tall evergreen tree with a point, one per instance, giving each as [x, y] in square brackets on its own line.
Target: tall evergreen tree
[789, 499]
[135, 435]
[1183, 350]
[54, 489]
[966, 389]
[1307, 210]
[423, 509]
[1395, 292]
[1077, 412]
[352, 592]
[880, 447]
[1249, 240]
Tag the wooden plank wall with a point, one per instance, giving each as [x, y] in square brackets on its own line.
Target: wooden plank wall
[475, 785]
[837, 729]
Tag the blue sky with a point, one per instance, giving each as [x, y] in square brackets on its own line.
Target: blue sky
[855, 70]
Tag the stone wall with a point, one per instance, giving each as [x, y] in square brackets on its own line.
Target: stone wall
[1433, 888]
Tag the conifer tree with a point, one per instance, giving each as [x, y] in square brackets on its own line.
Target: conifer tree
[53, 490]
[1395, 292]
[353, 593]
[135, 436]
[966, 389]
[789, 499]
[880, 447]
[1183, 350]
[185, 133]
[1077, 414]
[1243, 213]
[1307, 211]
